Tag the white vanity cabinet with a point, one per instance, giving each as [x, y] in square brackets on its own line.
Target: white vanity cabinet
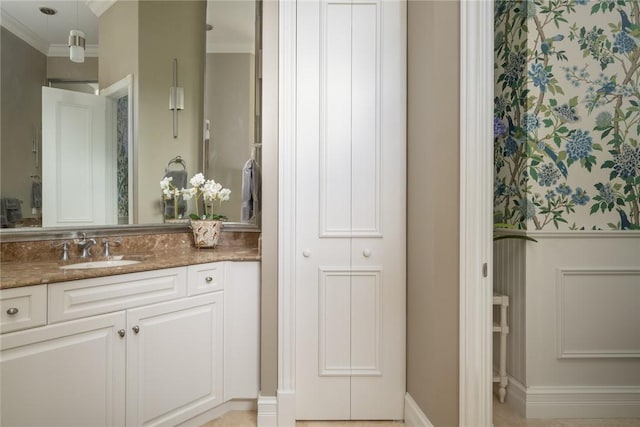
[151, 348]
[67, 374]
[174, 360]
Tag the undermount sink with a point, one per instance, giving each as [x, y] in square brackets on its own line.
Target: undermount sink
[99, 264]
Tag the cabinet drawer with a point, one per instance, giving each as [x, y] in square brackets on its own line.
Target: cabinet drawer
[88, 297]
[205, 278]
[23, 308]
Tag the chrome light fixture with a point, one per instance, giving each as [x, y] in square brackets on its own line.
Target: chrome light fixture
[76, 46]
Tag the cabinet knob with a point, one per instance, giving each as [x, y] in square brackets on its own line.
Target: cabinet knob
[306, 253]
[12, 311]
[208, 279]
[136, 329]
[366, 253]
[122, 333]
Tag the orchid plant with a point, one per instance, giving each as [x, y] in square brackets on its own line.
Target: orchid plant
[170, 192]
[210, 192]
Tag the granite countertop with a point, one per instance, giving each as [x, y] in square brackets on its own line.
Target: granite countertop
[14, 274]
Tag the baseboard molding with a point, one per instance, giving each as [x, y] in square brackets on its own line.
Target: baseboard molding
[286, 408]
[218, 411]
[574, 401]
[267, 411]
[517, 397]
[413, 415]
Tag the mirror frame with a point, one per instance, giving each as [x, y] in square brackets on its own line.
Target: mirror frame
[29, 234]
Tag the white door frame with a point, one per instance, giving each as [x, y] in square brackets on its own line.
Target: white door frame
[123, 87]
[476, 211]
[476, 195]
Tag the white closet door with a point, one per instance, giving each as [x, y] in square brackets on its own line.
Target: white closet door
[351, 156]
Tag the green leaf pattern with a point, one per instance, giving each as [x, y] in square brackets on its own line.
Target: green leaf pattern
[567, 114]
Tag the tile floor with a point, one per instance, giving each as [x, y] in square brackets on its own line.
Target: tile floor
[503, 416]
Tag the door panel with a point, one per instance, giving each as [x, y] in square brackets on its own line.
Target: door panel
[350, 210]
[174, 362]
[76, 160]
[68, 374]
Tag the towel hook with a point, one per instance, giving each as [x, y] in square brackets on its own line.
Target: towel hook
[177, 160]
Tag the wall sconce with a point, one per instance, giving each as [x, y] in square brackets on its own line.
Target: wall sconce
[76, 46]
[176, 98]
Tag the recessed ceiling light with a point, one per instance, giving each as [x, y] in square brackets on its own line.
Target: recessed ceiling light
[48, 11]
[209, 27]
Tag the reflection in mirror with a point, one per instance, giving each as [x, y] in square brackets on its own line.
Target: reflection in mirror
[34, 54]
[232, 105]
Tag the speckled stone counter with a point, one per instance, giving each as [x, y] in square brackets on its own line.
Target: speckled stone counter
[35, 263]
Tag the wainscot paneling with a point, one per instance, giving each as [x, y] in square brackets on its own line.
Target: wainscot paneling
[575, 307]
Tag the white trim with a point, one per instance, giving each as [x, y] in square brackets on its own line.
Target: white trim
[117, 90]
[267, 411]
[21, 31]
[583, 402]
[561, 351]
[476, 196]
[286, 212]
[577, 234]
[219, 411]
[98, 7]
[517, 396]
[574, 401]
[413, 415]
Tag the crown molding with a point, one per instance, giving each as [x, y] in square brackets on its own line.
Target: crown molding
[24, 33]
[98, 7]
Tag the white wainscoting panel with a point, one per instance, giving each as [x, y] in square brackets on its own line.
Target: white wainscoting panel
[587, 327]
[576, 348]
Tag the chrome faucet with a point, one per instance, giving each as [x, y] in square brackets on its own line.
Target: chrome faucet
[108, 243]
[65, 250]
[85, 245]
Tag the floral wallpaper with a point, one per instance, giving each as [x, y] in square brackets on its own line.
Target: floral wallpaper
[567, 114]
[123, 159]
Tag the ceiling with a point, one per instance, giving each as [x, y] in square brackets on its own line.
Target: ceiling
[232, 20]
[50, 34]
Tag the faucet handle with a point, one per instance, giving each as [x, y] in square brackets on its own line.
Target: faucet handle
[107, 245]
[65, 249]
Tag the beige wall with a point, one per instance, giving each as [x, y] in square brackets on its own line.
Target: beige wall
[61, 68]
[269, 282]
[23, 73]
[229, 84]
[168, 29]
[118, 33]
[433, 209]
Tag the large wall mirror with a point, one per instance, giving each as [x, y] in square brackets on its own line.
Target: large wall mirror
[134, 52]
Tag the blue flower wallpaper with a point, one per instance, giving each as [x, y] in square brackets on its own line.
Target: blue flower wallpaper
[567, 114]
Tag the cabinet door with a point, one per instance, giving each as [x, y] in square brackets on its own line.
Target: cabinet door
[69, 374]
[174, 360]
[241, 330]
[350, 210]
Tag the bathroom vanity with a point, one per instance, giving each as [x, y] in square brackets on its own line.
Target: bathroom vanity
[135, 345]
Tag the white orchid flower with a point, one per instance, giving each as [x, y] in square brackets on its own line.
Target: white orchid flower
[224, 194]
[197, 180]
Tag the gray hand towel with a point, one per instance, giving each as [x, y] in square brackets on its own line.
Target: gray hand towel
[36, 195]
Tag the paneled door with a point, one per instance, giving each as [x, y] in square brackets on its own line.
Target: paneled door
[78, 167]
[350, 209]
